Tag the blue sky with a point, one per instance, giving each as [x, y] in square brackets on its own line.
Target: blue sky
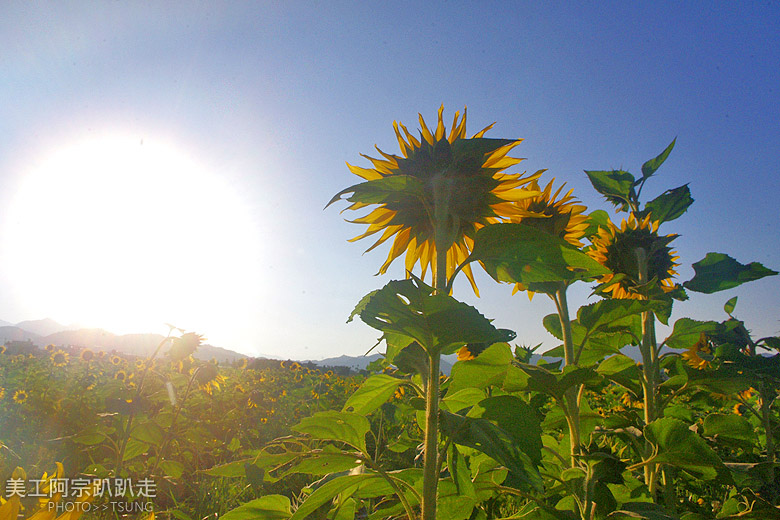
[272, 98]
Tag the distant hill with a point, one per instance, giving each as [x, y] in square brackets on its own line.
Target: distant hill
[361, 362]
[42, 327]
[12, 333]
[98, 339]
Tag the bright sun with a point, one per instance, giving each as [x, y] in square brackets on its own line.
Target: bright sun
[127, 234]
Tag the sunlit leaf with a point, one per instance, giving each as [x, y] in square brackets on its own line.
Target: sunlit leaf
[730, 305]
[515, 417]
[718, 272]
[269, 507]
[374, 392]
[687, 332]
[489, 367]
[325, 493]
[336, 426]
[731, 427]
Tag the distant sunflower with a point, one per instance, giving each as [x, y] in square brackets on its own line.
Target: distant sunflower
[20, 396]
[616, 248]
[561, 217]
[50, 347]
[2, 349]
[59, 358]
[86, 355]
[116, 360]
[2, 392]
[209, 378]
[693, 356]
[440, 178]
[121, 375]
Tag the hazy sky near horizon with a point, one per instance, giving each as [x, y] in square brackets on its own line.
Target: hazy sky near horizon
[169, 162]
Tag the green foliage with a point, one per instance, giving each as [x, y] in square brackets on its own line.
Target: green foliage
[718, 272]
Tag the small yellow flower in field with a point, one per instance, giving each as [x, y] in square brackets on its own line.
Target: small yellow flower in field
[616, 248]
[238, 388]
[121, 375]
[243, 363]
[116, 360]
[20, 396]
[2, 349]
[2, 392]
[86, 355]
[59, 358]
[50, 347]
[263, 420]
[437, 177]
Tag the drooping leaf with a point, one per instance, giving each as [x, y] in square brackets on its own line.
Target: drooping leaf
[650, 167]
[455, 401]
[411, 308]
[269, 507]
[622, 370]
[608, 313]
[670, 205]
[617, 186]
[516, 253]
[718, 272]
[336, 426]
[373, 393]
[323, 462]
[596, 219]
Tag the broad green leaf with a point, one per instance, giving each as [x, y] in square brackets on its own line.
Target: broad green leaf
[718, 272]
[346, 510]
[396, 343]
[679, 446]
[515, 417]
[555, 384]
[322, 462]
[731, 427]
[373, 393]
[641, 510]
[328, 490]
[410, 307]
[456, 401]
[493, 441]
[617, 186]
[134, 448]
[269, 507]
[687, 332]
[412, 359]
[670, 205]
[730, 305]
[622, 370]
[172, 468]
[489, 367]
[148, 432]
[460, 472]
[518, 253]
[606, 313]
[453, 503]
[650, 167]
[90, 437]
[336, 426]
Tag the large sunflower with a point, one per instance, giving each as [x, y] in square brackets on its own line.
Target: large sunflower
[617, 248]
[440, 180]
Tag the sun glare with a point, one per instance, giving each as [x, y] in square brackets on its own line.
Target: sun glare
[128, 234]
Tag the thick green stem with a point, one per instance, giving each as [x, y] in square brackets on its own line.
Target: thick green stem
[650, 372]
[571, 402]
[764, 393]
[442, 188]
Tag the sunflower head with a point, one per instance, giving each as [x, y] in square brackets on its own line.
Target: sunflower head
[20, 396]
[86, 355]
[59, 358]
[443, 182]
[623, 250]
[699, 354]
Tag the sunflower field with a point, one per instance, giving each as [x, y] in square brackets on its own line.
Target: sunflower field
[615, 422]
